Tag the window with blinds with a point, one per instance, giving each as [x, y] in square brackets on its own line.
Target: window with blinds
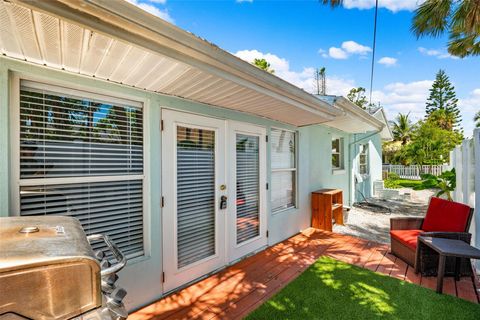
[283, 146]
[363, 159]
[195, 195]
[248, 192]
[88, 152]
[337, 154]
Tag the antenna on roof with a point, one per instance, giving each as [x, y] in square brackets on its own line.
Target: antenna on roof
[320, 81]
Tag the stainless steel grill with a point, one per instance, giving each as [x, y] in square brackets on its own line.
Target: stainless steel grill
[48, 270]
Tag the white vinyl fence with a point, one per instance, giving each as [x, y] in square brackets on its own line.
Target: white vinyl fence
[466, 161]
[413, 172]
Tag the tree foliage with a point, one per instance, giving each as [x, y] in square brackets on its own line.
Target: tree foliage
[357, 96]
[429, 144]
[263, 64]
[460, 19]
[476, 118]
[441, 105]
[402, 128]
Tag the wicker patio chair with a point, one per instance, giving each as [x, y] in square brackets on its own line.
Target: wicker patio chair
[444, 219]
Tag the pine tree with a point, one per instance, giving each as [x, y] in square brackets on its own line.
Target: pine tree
[443, 97]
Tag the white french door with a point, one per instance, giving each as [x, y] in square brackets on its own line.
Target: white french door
[193, 176]
[247, 227]
[213, 182]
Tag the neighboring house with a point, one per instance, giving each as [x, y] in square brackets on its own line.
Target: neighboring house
[189, 157]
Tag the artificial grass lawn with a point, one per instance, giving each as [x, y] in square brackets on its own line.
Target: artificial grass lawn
[330, 289]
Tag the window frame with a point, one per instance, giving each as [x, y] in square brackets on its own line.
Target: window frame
[364, 150]
[341, 155]
[292, 169]
[70, 87]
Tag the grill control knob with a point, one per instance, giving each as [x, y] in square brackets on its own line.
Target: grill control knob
[111, 279]
[117, 295]
[99, 255]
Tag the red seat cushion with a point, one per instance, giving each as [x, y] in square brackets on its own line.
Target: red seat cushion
[407, 237]
[444, 215]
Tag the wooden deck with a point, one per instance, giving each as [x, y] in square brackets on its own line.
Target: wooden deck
[239, 289]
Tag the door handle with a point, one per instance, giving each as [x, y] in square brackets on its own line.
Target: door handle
[223, 202]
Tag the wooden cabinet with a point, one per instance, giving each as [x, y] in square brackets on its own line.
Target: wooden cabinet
[327, 204]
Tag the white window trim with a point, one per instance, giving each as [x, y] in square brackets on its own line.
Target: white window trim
[70, 87]
[341, 153]
[295, 169]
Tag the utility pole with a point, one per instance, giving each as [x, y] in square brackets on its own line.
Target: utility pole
[320, 83]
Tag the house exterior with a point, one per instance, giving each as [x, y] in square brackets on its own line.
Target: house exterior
[188, 157]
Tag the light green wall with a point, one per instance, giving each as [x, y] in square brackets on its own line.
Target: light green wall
[143, 278]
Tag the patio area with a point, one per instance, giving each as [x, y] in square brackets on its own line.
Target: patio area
[236, 291]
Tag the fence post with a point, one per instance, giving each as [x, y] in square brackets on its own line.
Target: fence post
[476, 216]
[465, 171]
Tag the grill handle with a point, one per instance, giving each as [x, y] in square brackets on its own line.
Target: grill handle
[122, 260]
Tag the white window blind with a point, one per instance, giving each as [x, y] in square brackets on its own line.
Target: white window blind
[337, 154]
[283, 146]
[195, 195]
[68, 140]
[363, 159]
[248, 192]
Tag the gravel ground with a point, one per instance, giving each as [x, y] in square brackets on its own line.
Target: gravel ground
[374, 223]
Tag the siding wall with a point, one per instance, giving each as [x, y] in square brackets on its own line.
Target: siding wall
[142, 278]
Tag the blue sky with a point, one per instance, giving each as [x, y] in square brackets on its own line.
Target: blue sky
[298, 36]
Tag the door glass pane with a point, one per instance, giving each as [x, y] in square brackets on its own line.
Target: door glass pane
[195, 194]
[248, 198]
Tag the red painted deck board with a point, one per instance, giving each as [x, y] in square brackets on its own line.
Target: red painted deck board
[236, 291]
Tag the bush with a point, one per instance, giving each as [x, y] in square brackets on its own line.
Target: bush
[391, 184]
[393, 176]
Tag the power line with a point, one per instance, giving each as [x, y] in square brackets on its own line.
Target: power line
[373, 50]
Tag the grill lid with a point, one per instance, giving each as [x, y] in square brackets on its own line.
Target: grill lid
[35, 241]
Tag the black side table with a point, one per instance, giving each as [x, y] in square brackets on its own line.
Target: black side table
[449, 248]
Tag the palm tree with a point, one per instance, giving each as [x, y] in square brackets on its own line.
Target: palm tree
[461, 19]
[402, 128]
[477, 119]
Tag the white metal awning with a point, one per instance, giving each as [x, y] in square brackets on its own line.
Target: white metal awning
[118, 42]
[355, 119]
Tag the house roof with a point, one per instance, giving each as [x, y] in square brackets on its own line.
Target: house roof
[355, 119]
[119, 42]
[379, 113]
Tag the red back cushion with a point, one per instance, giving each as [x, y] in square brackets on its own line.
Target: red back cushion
[444, 215]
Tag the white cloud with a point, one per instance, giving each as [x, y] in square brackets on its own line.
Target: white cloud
[303, 79]
[404, 97]
[347, 49]
[355, 48]
[337, 53]
[388, 61]
[150, 7]
[436, 53]
[392, 5]
[240, 1]
[323, 53]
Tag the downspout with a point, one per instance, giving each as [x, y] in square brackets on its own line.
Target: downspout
[350, 160]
